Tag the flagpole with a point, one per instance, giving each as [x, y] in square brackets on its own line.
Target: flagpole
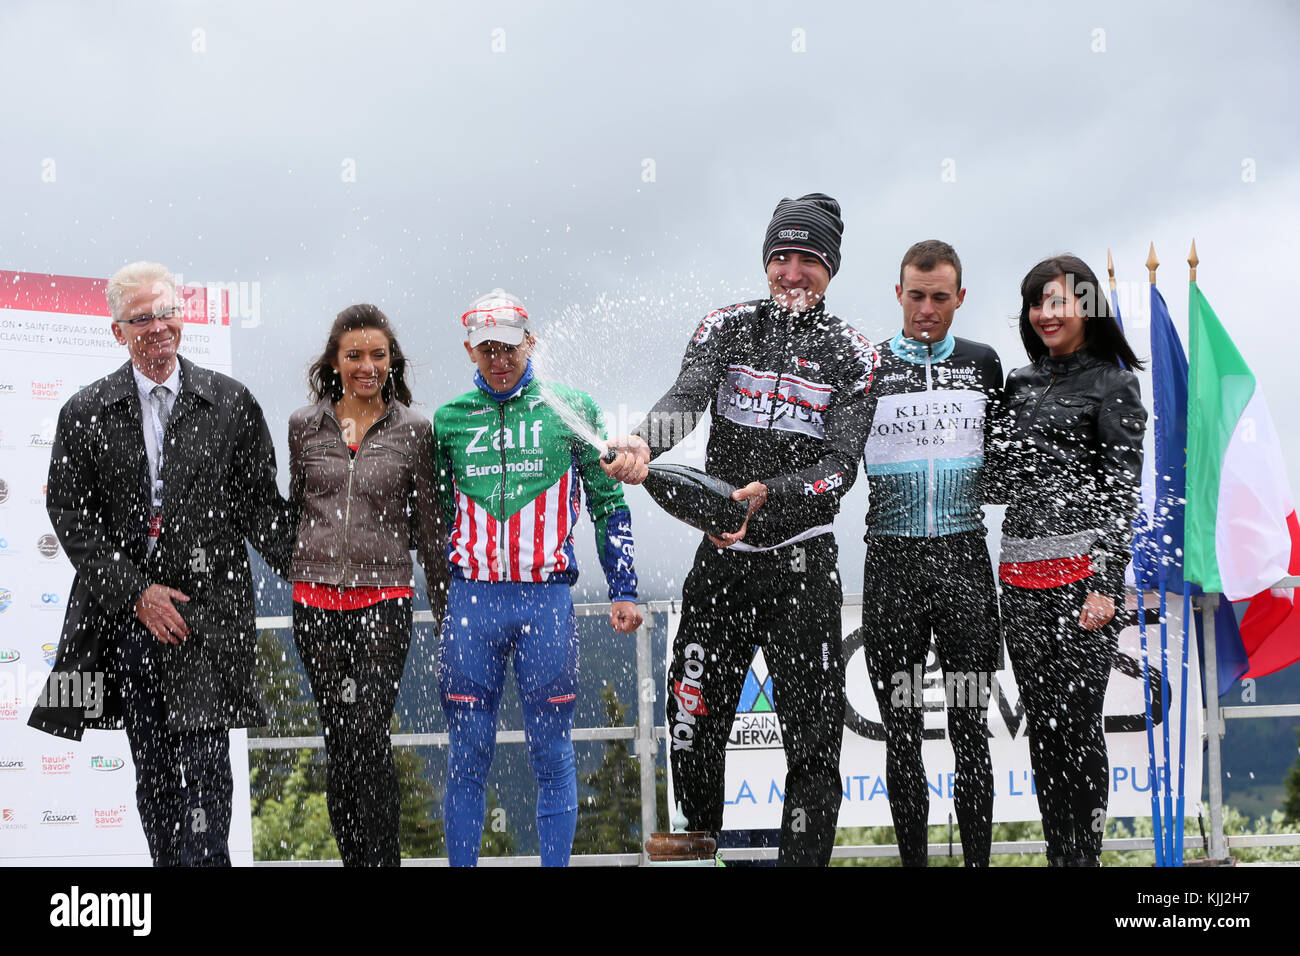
[1139, 573]
[1217, 849]
[1161, 583]
[1182, 730]
[1192, 261]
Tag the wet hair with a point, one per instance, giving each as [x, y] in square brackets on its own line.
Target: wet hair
[1102, 336]
[927, 255]
[325, 382]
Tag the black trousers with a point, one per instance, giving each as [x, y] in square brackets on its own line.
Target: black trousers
[912, 587]
[788, 602]
[1062, 671]
[354, 661]
[183, 784]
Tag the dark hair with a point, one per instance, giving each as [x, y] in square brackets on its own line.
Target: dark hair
[927, 254]
[1102, 336]
[324, 382]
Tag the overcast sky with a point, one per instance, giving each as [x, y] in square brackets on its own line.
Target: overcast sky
[615, 165]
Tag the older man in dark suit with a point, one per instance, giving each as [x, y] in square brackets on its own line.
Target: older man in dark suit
[158, 474]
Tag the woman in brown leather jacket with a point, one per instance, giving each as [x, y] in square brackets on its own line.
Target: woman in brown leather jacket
[361, 473]
[1068, 462]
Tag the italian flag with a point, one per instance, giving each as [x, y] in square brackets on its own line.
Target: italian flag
[1241, 532]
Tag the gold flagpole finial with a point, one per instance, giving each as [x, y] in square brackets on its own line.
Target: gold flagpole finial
[1152, 263]
[1192, 260]
[1110, 268]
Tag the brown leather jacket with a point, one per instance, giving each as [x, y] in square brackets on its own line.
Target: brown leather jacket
[359, 514]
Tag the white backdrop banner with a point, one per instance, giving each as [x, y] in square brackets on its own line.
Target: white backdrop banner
[755, 775]
[65, 802]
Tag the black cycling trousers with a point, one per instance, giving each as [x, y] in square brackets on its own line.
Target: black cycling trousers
[1062, 671]
[911, 588]
[787, 601]
[354, 661]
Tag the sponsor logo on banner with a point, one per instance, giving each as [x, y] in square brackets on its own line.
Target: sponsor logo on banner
[45, 437]
[110, 818]
[49, 652]
[47, 601]
[9, 654]
[7, 550]
[756, 726]
[58, 818]
[9, 819]
[98, 762]
[48, 545]
[4, 491]
[12, 763]
[57, 763]
[6, 598]
[7, 388]
[8, 710]
[47, 391]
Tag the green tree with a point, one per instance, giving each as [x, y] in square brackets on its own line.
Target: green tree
[1291, 802]
[497, 840]
[288, 786]
[290, 713]
[295, 824]
[609, 818]
[420, 824]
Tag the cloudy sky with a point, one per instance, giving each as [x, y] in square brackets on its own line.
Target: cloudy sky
[615, 166]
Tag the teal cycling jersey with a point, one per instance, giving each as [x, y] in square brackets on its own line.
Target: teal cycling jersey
[925, 451]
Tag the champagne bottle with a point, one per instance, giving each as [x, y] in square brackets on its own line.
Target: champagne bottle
[689, 495]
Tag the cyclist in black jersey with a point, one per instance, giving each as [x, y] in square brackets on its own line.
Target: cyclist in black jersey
[927, 567]
[787, 384]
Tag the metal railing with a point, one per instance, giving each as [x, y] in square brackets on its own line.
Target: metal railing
[1216, 726]
[644, 735]
[645, 738]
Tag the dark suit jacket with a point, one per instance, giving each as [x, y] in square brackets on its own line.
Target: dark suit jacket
[218, 489]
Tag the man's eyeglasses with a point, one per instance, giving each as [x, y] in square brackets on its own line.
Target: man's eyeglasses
[144, 321]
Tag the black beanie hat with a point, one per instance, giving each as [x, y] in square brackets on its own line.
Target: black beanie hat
[810, 224]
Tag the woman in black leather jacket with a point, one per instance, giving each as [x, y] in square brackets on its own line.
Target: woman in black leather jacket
[1068, 461]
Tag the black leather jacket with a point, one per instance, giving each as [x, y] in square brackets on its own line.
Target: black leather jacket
[1068, 461]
